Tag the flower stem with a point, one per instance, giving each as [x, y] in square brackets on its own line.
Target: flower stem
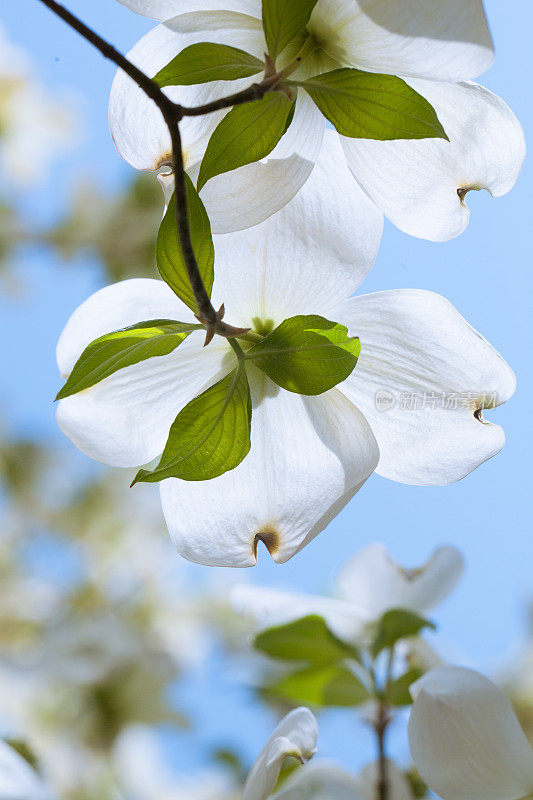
[382, 785]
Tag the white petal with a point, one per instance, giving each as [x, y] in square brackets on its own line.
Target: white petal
[18, 781]
[269, 607]
[295, 736]
[124, 420]
[306, 258]
[250, 194]
[138, 129]
[309, 456]
[375, 583]
[165, 9]
[422, 377]
[419, 184]
[466, 740]
[321, 780]
[440, 39]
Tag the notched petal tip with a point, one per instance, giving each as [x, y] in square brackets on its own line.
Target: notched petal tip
[462, 192]
[270, 538]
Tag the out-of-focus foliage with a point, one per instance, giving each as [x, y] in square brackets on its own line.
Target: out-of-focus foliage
[96, 619]
[119, 230]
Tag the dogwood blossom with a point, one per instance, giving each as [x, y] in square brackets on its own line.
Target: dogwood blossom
[309, 455]
[437, 46]
[466, 740]
[368, 585]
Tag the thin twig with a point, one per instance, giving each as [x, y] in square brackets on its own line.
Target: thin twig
[172, 114]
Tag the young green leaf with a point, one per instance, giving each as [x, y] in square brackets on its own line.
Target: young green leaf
[170, 261]
[210, 436]
[208, 61]
[398, 624]
[307, 354]
[306, 639]
[398, 692]
[367, 105]
[122, 348]
[283, 21]
[246, 134]
[330, 685]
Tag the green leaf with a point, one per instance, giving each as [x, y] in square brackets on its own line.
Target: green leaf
[122, 348]
[307, 354]
[398, 692]
[306, 639]
[283, 20]
[366, 105]
[208, 61]
[170, 261]
[330, 685]
[398, 624]
[210, 436]
[246, 134]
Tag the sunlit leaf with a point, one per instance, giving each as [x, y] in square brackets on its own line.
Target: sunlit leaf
[122, 348]
[367, 105]
[283, 20]
[307, 354]
[170, 262]
[208, 61]
[248, 133]
[210, 436]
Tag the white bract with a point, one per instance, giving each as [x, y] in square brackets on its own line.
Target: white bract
[465, 738]
[309, 455]
[437, 46]
[295, 736]
[367, 586]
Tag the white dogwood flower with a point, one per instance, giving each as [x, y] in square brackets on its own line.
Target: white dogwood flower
[368, 585]
[437, 46]
[465, 739]
[309, 455]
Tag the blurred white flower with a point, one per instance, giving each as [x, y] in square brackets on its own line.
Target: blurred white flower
[465, 739]
[18, 780]
[367, 586]
[35, 126]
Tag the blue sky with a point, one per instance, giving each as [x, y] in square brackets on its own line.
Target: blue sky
[486, 273]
